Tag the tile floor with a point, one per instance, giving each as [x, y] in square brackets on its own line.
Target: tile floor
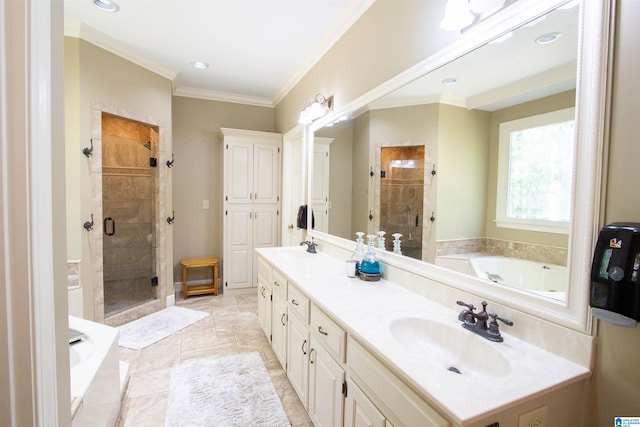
[231, 328]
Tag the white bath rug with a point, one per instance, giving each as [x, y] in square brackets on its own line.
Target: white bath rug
[150, 329]
[227, 392]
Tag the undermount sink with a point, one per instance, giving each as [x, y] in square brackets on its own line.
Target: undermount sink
[451, 347]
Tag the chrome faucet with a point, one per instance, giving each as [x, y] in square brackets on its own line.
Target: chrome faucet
[311, 246]
[477, 322]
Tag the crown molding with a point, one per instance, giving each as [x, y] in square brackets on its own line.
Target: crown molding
[211, 95]
[109, 44]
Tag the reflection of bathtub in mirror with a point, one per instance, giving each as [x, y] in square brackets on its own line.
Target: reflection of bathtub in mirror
[544, 279]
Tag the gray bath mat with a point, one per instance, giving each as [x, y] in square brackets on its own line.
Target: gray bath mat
[227, 392]
[156, 326]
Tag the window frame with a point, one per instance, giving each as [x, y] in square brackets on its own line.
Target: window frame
[505, 130]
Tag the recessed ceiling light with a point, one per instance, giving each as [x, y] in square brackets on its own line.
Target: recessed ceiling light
[449, 81]
[199, 64]
[548, 38]
[106, 5]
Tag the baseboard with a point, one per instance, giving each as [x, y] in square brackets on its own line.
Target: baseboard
[241, 291]
[171, 300]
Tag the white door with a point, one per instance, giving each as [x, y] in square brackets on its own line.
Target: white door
[292, 186]
[320, 184]
[266, 171]
[297, 358]
[358, 409]
[239, 253]
[238, 167]
[326, 378]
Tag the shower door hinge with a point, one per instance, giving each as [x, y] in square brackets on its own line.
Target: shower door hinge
[153, 162]
[154, 281]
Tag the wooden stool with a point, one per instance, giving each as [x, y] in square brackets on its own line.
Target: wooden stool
[199, 289]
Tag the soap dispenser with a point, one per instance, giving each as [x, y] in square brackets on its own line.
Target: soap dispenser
[370, 266]
[358, 255]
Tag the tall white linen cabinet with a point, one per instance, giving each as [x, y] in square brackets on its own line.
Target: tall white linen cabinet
[251, 217]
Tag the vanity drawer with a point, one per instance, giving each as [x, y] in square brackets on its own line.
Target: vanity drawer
[390, 394]
[329, 333]
[298, 303]
[279, 284]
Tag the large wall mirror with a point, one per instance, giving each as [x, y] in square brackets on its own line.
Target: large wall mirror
[488, 164]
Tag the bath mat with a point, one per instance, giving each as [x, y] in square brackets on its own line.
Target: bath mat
[226, 392]
[150, 329]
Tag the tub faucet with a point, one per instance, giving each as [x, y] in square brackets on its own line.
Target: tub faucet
[477, 322]
[311, 246]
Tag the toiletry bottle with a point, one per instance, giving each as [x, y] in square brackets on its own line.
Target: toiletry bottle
[370, 264]
[358, 254]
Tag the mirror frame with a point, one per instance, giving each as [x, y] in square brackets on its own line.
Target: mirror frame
[591, 124]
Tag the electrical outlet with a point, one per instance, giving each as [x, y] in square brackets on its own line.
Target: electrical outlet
[535, 418]
[205, 204]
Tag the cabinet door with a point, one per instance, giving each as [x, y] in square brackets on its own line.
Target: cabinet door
[326, 379]
[358, 409]
[265, 309]
[238, 169]
[266, 173]
[279, 329]
[298, 358]
[239, 254]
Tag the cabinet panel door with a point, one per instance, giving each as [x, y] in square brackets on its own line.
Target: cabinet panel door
[239, 256]
[238, 166]
[358, 409]
[265, 309]
[279, 329]
[266, 173]
[297, 358]
[326, 377]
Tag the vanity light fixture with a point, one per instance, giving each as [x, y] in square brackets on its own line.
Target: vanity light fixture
[317, 108]
[199, 64]
[462, 14]
[548, 38]
[106, 5]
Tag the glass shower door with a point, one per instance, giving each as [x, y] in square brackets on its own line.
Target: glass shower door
[128, 181]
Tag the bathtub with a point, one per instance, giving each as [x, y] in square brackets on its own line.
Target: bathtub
[95, 374]
[542, 278]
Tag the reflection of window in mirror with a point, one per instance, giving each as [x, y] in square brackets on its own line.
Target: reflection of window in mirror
[535, 172]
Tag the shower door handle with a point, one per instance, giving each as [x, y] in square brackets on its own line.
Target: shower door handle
[109, 226]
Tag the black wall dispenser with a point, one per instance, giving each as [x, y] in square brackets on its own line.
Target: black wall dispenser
[615, 275]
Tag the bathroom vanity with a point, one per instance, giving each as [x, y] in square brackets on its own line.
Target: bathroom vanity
[378, 354]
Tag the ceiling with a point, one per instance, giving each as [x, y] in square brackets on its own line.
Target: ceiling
[257, 50]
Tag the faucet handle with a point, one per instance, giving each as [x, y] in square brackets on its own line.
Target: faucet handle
[495, 317]
[471, 307]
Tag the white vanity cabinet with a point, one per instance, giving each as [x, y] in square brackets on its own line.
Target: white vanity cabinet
[358, 409]
[279, 317]
[326, 387]
[264, 297]
[298, 346]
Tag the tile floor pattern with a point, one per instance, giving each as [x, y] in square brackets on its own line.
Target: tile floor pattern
[232, 328]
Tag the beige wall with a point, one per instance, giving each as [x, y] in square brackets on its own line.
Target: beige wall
[389, 38]
[463, 154]
[197, 174]
[93, 75]
[616, 379]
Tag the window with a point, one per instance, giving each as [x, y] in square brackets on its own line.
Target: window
[535, 172]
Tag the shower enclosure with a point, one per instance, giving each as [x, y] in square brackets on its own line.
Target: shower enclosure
[402, 196]
[129, 176]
